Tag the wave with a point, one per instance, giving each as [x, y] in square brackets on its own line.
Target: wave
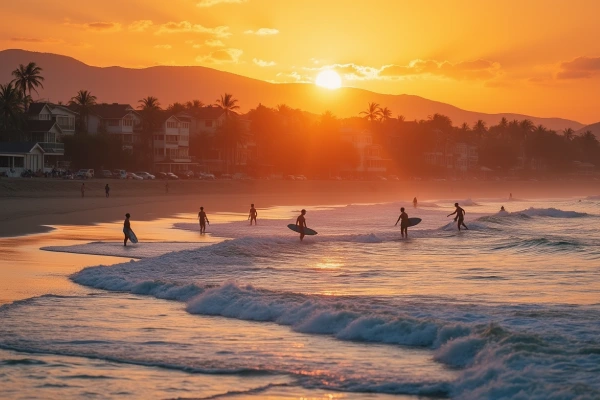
[546, 244]
[550, 212]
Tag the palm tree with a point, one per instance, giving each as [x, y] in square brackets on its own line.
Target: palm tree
[228, 104]
[11, 108]
[150, 110]
[568, 134]
[401, 118]
[372, 113]
[83, 102]
[28, 79]
[479, 128]
[386, 114]
[176, 108]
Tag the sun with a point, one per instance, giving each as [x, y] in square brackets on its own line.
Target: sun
[329, 79]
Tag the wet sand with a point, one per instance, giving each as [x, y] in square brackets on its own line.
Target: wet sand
[34, 205]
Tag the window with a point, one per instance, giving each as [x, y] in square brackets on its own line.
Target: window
[112, 122]
[172, 138]
[127, 122]
[172, 124]
[208, 123]
[185, 125]
[19, 162]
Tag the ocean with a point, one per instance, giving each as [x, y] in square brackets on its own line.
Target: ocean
[509, 309]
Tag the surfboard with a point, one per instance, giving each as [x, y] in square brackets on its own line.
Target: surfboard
[414, 221]
[307, 231]
[132, 236]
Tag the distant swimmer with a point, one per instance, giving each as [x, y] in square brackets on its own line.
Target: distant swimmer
[403, 219]
[203, 220]
[502, 209]
[253, 214]
[301, 223]
[107, 190]
[460, 216]
[126, 228]
[415, 202]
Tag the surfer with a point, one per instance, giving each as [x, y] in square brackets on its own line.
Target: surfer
[253, 214]
[203, 220]
[460, 216]
[107, 190]
[301, 223]
[126, 228]
[415, 202]
[404, 224]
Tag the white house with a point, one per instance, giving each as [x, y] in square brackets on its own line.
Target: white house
[116, 119]
[371, 160]
[172, 144]
[15, 157]
[62, 115]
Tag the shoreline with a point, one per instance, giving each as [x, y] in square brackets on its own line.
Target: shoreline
[29, 206]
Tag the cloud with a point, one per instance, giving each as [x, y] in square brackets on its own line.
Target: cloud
[35, 40]
[579, 68]
[214, 43]
[263, 63]
[188, 27]
[140, 26]
[477, 69]
[262, 32]
[349, 71]
[163, 46]
[222, 56]
[291, 77]
[210, 3]
[96, 26]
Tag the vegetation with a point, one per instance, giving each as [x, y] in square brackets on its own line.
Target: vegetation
[27, 78]
[83, 103]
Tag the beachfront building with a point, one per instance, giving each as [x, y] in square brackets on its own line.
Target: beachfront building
[16, 157]
[172, 144]
[62, 115]
[120, 120]
[371, 160]
[454, 157]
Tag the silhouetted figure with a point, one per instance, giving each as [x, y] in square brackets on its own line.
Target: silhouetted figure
[107, 190]
[82, 190]
[510, 196]
[301, 223]
[502, 209]
[167, 187]
[403, 219]
[460, 216]
[126, 228]
[253, 214]
[415, 202]
[203, 219]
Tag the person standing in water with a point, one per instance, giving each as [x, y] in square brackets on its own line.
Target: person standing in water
[460, 216]
[404, 224]
[203, 220]
[301, 223]
[253, 214]
[415, 202]
[82, 190]
[126, 228]
[107, 190]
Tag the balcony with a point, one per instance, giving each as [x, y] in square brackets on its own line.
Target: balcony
[53, 148]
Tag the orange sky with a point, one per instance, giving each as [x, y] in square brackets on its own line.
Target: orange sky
[537, 57]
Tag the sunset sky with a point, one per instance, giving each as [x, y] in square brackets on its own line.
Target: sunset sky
[537, 57]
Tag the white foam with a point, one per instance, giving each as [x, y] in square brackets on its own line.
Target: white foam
[116, 249]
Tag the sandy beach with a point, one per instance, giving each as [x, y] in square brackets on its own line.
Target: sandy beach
[32, 205]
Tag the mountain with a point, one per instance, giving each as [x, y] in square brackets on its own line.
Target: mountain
[65, 76]
[595, 128]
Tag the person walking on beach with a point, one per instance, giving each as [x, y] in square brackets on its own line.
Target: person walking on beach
[253, 214]
[203, 220]
[460, 216]
[82, 190]
[415, 202]
[404, 224]
[167, 188]
[126, 229]
[301, 223]
[107, 190]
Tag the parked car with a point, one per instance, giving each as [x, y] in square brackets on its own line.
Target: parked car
[300, 177]
[185, 174]
[145, 175]
[290, 178]
[171, 175]
[106, 174]
[162, 175]
[131, 175]
[393, 178]
[225, 176]
[119, 174]
[205, 176]
[85, 173]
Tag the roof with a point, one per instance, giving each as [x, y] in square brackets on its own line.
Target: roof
[209, 112]
[63, 107]
[35, 125]
[111, 111]
[17, 147]
[35, 108]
